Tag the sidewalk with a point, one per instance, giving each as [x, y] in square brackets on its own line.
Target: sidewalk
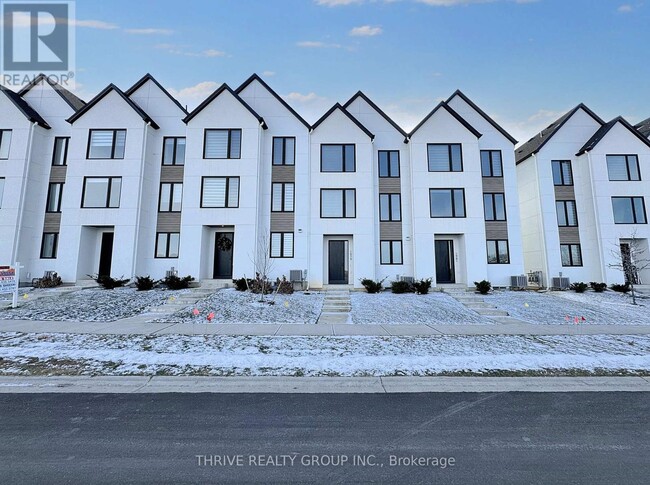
[139, 326]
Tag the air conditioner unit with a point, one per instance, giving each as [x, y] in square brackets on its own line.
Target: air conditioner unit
[408, 279]
[560, 283]
[171, 272]
[519, 281]
[295, 276]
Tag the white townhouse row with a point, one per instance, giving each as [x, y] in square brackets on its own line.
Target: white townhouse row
[130, 184]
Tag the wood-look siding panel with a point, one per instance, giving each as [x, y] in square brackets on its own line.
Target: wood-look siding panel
[564, 192]
[169, 222]
[282, 221]
[496, 230]
[390, 230]
[283, 173]
[390, 185]
[52, 222]
[172, 173]
[493, 184]
[58, 173]
[569, 235]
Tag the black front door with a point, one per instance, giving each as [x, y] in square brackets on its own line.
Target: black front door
[336, 256]
[223, 246]
[106, 254]
[445, 262]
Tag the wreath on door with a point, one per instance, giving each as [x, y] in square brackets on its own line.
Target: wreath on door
[223, 243]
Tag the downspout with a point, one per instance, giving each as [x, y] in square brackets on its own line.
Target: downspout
[258, 206]
[597, 221]
[545, 275]
[309, 214]
[410, 185]
[139, 208]
[23, 188]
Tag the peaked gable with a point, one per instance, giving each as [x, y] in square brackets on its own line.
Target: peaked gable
[338, 107]
[602, 132]
[361, 95]
[73, 101]
[459, 118]
[644, 127]
[30, 113]
[222, 89]
[149, 78]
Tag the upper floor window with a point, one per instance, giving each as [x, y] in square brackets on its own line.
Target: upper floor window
[220, 192]
[49, 245]
[390, 207]
[2, 189]
[106, 144]
[284, 150]
[282, 197]
[54, 193]
[282, 244]
[60, 152]
[491, 163]
[388, 163]
[623, 167]
[337, 158]
[5, 143]
[222, 143]
[447, 202]
[567, 215]
[173, 151]
[494, 206]
[171, 196]
[629, 210]
[101, 192]
[445, 157]
[562, 173]
[338, 203]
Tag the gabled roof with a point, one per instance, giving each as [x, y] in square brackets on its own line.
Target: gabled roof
[600, 134]
[73, 101]
[255, 77]
[536, 143]
[108, 89]
[346, 113]
[360, 94]
[644, 127]
[224, 87]
[453, 113]
[148, 77]
[29, 112]
[496, 126]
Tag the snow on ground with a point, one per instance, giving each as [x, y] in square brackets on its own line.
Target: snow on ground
[92, 305]
[409, 308]
[346, 356]
[232, 306]
[609, 308]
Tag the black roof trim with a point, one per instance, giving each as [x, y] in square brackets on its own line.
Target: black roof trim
[255, 77]
[30, 113]
[148, 77]
[600, 134]
[346, 113]
[487, 118]
[458, 117]
[73, 101]
[101, 95]
[536, 143]
[216, 94]
[644, 127]
[361, 95]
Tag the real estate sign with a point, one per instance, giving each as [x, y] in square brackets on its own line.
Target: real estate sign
[8, 280]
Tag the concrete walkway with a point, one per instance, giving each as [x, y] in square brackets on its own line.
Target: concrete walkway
[140, 325]
[336, 307]
[159, 384]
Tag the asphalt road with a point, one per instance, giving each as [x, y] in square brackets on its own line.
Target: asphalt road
[500, 438]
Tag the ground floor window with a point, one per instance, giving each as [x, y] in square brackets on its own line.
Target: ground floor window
[571, 254]
[167, 244]
[498, 252]
[390, 252]
[49, 245]
[282, 244]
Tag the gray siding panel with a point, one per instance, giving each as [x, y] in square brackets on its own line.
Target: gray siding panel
[172, 173]
[390, 230]
[282, 222]
[390, 185]
[496, 230]
[564, 192]
[283, 173]
[169, 222]
[569, 235]
[52, 222]
[58, 173]
[493, 184]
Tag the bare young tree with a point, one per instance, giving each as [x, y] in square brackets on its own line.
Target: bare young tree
[631, 258]
[263, 264]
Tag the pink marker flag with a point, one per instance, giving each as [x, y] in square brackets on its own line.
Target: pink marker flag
[195, 312]
[584, 319]
[566, 318]
[210, 316]
[577, 320]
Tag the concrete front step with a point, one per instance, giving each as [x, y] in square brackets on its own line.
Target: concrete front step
[479, 304]
[491, 312]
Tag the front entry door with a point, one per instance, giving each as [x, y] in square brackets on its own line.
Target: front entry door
[223, 246]
[445, 262]
[631, 275]
[337, 255]
[105, 254]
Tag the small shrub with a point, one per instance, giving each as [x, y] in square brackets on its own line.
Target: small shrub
[598, 287]
[579, 287]
[483, 287]
[621, 288]
[174, 282]
[372, 286]
[283, 286]
[260, 285]
[51, 281]
[145, 283]
[400, 287]
[242, 284]
[109, 283]
[422, 286]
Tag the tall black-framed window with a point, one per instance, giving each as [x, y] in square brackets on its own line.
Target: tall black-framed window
[567, 214]
[445, 157]
[390, 207]
[282, 244]
[49, 245]
[173, 150]
[390, 252]
[623, 167]
[106, 144]
[101, 192]
[284, 150]
[167, 244]
[54, 194]
[60, 151]
[494, 206]
[388, 163]
[498, 251]
[337, 158]
[338, 203]
[562, 172]
[5, 144]
[447, 202]
[491, 163]
[571, 254]
[222, 143]
[220, 192]
[282, 197]
[171, 197]
[629, 210]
